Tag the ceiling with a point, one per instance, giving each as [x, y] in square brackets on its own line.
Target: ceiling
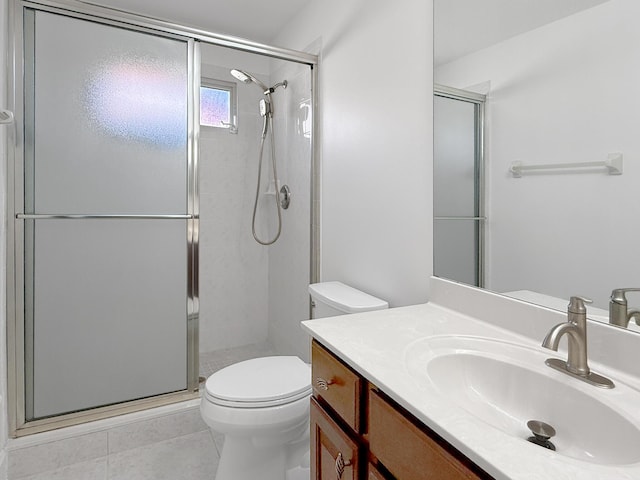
[466, 26]
[461, 26]
[257, 20]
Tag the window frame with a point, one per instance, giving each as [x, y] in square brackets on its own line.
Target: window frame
[231, 87]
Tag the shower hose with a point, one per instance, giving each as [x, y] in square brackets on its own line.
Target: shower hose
[268, 123]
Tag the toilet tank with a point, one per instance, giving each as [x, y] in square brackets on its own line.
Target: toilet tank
[336, 298]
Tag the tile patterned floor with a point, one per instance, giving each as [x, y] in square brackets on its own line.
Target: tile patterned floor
[133, 452]
[189, 457]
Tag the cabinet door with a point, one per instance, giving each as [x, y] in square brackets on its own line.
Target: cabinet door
[374, 474]
[407, 451]
[335, 454]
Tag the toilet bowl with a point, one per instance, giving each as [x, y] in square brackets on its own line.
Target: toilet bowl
[262, 405]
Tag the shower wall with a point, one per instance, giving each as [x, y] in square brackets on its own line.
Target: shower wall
[233, 267]
[251, 293]
[289, 257]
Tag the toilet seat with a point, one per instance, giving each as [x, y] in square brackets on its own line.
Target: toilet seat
[260, 382]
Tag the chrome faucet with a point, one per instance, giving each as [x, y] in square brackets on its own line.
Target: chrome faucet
[576, 330]
[619, 314]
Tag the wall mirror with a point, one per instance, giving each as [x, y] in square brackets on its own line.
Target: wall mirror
[559, 78]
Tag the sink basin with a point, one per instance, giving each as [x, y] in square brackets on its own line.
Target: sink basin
[506, 385]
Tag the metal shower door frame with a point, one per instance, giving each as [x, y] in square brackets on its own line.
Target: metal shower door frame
[18, 425]
[15, 199]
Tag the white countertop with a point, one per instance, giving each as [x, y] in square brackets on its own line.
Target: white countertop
[374, 344]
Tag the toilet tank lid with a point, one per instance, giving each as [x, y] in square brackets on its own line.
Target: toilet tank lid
[345, 298]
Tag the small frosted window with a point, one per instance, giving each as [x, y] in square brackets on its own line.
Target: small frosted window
[218, 104]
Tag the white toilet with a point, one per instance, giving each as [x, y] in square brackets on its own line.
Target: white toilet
[262, 405]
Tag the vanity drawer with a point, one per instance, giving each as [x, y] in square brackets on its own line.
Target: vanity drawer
[337, 386]
[409, 452]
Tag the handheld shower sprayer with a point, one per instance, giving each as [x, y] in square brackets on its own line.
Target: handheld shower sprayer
[266, 111]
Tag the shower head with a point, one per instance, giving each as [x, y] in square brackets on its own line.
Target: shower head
[240, 75]
[247, 78]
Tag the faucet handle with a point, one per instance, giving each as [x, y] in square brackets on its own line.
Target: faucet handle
[618, 295]
[577, 304]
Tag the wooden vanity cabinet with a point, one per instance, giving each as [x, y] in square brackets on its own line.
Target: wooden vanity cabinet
[357, 433]
[336, 418]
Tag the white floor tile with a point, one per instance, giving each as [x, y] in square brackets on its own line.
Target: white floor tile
[190, 457]
[218, 439]
[163, 428]
[56, 455]
[91, 470]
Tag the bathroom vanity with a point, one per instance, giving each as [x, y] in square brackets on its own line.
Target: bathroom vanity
[358, 432]
[444, 390]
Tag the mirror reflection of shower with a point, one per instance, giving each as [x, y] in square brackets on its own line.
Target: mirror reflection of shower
[266, 111]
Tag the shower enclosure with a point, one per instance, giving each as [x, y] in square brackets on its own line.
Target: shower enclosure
[131, 241]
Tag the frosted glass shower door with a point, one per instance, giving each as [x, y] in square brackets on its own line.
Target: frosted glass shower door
[457, 160]
[106, 218]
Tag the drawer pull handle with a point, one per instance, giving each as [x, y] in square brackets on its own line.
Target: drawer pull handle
[340, 464]
[323, 384]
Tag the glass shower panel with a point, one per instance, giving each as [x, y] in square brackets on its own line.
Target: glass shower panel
[110, 120]
[106, 146]
[455, 249]
[455, 158]
[110, 312]
[456, 195]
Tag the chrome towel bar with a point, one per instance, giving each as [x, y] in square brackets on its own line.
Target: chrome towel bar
[613, 163]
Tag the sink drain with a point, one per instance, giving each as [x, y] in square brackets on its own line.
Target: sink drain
[542, 432]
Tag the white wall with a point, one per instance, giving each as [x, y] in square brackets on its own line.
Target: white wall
[562, 93]
[375, 93]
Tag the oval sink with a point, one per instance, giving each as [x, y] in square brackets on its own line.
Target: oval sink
[506, 385]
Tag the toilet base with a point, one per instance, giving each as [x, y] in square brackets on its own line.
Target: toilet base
[241, 459]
